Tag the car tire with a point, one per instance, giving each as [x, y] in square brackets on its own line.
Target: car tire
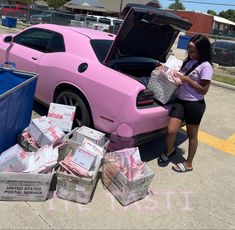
[82, 115]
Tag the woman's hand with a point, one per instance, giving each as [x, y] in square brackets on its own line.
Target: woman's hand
[181, 76]
[159, 65]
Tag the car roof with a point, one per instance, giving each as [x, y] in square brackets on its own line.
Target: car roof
[225, 41]
[102, 16]
[92, 34]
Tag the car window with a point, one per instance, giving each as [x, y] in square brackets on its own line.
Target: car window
[91, 19]
[37, 39]
[223, 45]
[117, 22]
[101, 48]
[106, 21]
[56, 44]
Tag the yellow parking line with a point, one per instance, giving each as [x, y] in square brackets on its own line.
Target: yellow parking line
[231, 139]
[223, 145]
[227, 146]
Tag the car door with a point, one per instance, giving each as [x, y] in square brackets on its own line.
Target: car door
[27, 49]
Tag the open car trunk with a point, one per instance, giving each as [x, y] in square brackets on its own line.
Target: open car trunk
[144, 39]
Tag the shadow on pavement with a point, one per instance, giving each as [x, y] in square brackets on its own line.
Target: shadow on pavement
[39, 108]
[154, 148]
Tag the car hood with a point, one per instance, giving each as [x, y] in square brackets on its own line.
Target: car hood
[145, 32]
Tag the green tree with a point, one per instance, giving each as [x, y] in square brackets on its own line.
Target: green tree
[23, 2]
[228, 14]
[177, 5]
[211, 12]
[56, 3]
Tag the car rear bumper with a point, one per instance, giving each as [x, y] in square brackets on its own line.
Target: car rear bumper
[136, 123]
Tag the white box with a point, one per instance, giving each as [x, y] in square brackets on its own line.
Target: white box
[71, 137]
[44, 132]
[37, 126]
[85, 132]
[62, 116]
[24, 186]
[13, 159]
[125, 191]
[173, 63]
[50, 136]
[76, 188]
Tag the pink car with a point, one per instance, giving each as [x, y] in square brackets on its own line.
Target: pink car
[102, 74]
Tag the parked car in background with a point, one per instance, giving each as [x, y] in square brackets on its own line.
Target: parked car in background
[103, 23]
[98, 72]
[223, 52]
[53, 17]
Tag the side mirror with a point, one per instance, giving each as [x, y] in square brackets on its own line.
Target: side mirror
[8, 39]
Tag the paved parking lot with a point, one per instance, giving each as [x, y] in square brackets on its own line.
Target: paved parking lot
[201, 199]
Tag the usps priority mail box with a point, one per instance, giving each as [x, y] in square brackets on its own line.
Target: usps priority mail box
[62, 116]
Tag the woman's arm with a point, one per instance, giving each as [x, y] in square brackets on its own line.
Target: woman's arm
[201, 88]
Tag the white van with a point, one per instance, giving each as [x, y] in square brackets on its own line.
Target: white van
[100, 22]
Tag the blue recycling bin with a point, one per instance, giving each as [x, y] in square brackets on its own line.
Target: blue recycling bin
[17, 90]
[9, 21]
[183, 41]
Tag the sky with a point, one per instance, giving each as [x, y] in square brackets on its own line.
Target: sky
[197, 6]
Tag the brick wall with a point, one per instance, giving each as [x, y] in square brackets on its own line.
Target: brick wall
[201, 23]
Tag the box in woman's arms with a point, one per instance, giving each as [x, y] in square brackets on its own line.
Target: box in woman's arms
[163, 85]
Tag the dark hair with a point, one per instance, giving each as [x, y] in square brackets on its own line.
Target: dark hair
[203, 46]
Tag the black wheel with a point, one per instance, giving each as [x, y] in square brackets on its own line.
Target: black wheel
[82, 116]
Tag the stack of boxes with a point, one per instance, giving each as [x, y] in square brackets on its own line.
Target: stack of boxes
[81, 153]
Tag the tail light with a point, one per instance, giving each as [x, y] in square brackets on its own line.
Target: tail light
[145, 97]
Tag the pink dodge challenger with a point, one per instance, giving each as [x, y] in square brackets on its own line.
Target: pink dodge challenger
[104, 75]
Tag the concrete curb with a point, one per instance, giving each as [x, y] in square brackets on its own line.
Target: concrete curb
[224, 85]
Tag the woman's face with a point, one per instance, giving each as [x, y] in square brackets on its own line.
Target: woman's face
[192, 51]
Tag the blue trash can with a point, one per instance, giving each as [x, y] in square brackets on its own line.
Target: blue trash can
[17, 90]
[183, 41]
[9, 21]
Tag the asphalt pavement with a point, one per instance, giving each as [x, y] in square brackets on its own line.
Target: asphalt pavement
[201, 199]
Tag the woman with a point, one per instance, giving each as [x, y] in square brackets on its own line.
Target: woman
[196, 74]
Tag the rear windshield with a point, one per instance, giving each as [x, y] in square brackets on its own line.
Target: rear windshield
[101, 48]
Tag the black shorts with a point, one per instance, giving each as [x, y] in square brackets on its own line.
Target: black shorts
[190, 111]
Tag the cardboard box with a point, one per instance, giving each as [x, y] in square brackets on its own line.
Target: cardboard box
[72, 137]
[62, 116]
[24, 186]
[125, 191]
[93, 135]
[44, 132]
[76, 188]
[13, 159]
